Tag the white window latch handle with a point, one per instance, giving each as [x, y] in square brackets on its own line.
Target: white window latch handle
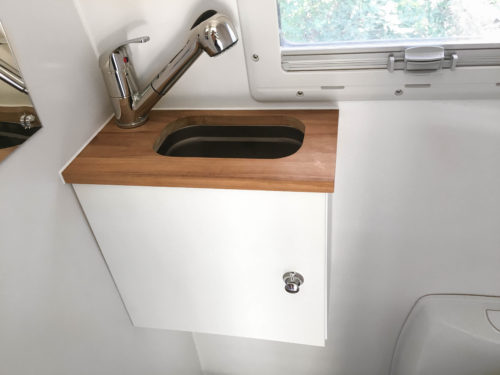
[424, 59]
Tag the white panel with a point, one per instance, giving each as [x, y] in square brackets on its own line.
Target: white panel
[212, 261]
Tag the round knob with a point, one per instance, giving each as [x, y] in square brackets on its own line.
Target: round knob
[293, 281]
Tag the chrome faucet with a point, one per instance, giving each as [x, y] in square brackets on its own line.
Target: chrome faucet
[212, 32]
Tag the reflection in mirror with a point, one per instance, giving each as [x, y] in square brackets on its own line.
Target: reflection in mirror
[18, 119]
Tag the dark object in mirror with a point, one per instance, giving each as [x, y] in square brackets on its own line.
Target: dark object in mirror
[11, 134]
[18, 119]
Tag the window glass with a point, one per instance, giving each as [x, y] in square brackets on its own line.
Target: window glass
[305, 22]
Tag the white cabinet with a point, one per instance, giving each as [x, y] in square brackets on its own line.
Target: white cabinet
[212, 260]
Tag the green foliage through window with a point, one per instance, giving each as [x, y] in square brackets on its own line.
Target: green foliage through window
[330, 21]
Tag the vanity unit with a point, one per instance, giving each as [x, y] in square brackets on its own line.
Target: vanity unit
[198, 240]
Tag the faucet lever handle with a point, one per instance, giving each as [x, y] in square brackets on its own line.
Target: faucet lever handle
[141, 39]
[119, 50]
[119, 74]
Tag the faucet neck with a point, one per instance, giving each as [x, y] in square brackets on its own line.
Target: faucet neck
[181, 62]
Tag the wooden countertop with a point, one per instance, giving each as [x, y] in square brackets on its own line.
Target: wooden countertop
[126, 157]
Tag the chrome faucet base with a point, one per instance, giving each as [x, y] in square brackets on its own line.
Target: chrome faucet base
[130, 125]
[212, 32]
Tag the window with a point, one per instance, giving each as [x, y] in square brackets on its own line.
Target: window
[364, 22]
[369, 49]
[371, 34]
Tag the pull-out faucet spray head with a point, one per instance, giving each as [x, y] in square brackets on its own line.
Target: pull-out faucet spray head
[215, 32]
[212, 32]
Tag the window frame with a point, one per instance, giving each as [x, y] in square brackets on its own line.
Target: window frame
[268, 80]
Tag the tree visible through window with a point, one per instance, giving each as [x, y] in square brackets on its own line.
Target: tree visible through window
[338, 21]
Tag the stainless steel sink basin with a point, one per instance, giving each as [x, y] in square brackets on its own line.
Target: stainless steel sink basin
[270, 138]
[12, 134]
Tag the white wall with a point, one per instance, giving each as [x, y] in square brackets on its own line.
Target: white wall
[415, 212]
[59, 310]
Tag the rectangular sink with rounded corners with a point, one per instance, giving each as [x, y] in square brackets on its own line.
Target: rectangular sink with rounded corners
[212, 137]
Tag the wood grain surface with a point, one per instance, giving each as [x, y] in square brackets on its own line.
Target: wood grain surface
[127, 157]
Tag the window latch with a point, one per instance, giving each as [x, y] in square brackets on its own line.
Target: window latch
[424, 59]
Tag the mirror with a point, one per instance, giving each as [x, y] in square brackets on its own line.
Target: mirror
[18, 119]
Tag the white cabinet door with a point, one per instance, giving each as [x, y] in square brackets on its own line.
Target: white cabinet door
[212, 260]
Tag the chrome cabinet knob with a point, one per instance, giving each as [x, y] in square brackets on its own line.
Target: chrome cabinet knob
[293, 281]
